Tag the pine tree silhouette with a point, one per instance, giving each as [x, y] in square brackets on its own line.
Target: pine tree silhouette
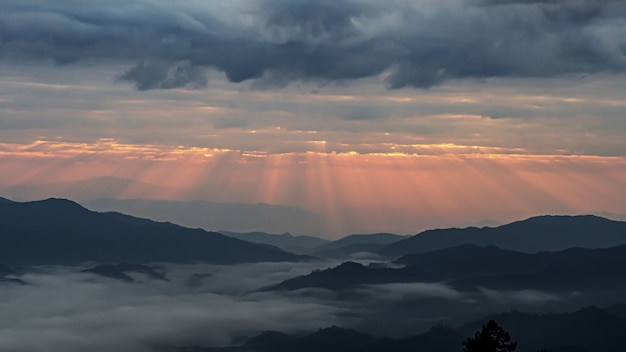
[491, 338]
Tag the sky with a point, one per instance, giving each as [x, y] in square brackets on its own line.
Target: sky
[394, 116]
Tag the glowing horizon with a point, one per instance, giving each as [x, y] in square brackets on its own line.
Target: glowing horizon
[402, 193]
[373, 116]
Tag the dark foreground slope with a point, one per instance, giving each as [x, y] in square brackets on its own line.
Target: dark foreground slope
[58, 231]
[337, 339]
[590, 329]
[542, 233]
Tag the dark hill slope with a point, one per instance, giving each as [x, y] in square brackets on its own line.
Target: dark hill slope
[589, 329]
[542, 233]
[471, 260]
[58, 231]
[349, 275]
[468, 267]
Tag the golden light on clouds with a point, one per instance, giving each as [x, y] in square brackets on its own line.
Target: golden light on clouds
[364, 137]
[396, 192]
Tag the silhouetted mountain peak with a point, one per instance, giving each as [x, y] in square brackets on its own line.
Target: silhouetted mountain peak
[536, 234]
[60, 231]
[559, 220]
[5, 200]
[56, 205]
[61, 202]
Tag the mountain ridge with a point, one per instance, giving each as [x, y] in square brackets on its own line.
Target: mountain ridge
[60, 231]
[471, 267]
[535, 234]
[299, 244]
[589, 329]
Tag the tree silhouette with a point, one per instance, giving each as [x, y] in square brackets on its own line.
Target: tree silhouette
[491, 338]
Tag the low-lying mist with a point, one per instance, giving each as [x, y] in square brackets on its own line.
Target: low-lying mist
[63, 309]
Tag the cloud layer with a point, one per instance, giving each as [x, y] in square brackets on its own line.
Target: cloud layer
[61, 310]
[274, 42]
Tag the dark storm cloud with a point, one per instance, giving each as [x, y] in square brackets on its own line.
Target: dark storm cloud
[275, 42]
[163, 76]
[568, 10]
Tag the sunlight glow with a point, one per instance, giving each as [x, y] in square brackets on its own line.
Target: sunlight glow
[395, 191]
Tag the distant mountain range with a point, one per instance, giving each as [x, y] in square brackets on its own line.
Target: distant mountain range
[92, 188]
[286, 241]
[337, 339]
[469, 267]
[590, 329]
[542, 233]
[345, 247]
[350, 275]
[61, 231]
[58, 231]
[350, 245]
[213, 216]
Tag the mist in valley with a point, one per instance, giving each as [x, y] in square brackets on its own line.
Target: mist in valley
[62, 308]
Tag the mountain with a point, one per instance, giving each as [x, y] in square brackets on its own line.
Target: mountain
[286, 241]
[542, 233]
[580, 269]
[59, 231]
[123, 271]
[235, 217]
[471, 260]
[346, 247]
[4, 200]
[329, 339]
[349, 275]
[343, 248]
[375, 238]
[352, 251]
[587, 330]
[469, 267]
[92, 188]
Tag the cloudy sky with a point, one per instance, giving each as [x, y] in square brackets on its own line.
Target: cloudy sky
[392, 115]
